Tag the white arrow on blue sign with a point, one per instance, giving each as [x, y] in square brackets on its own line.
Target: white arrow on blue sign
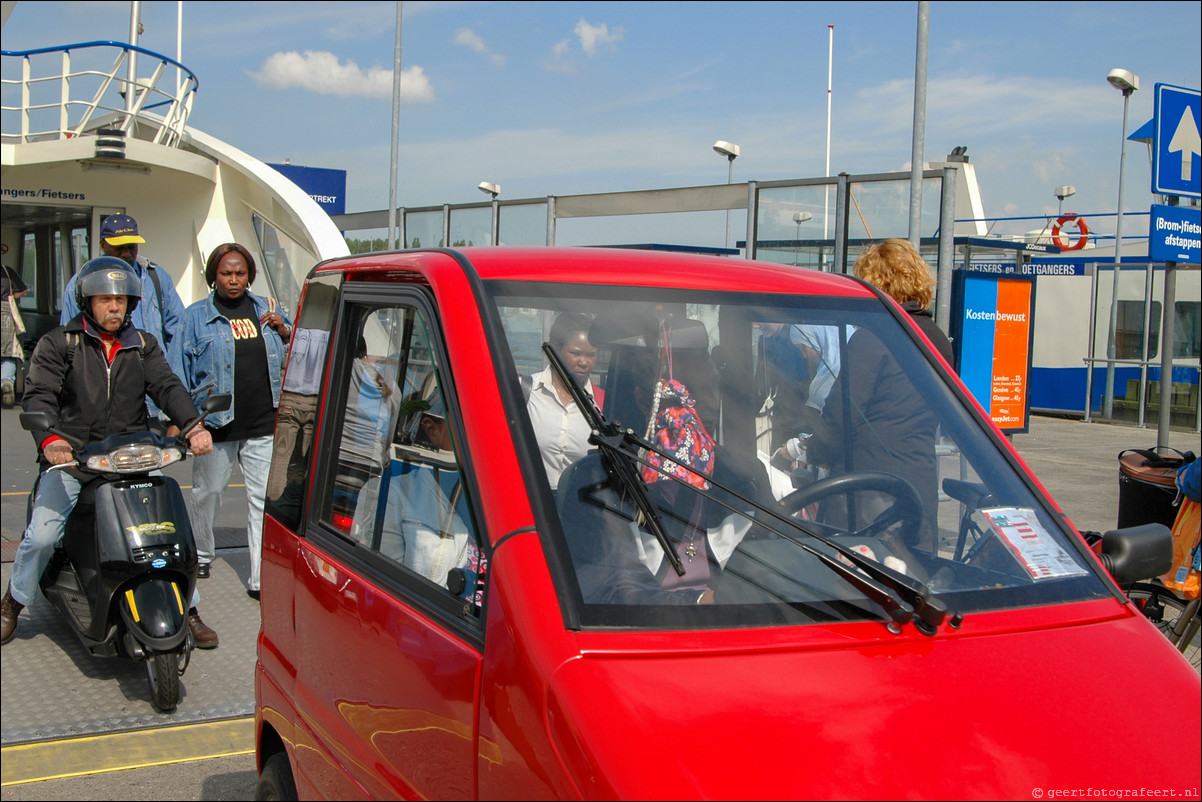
[1177, 142]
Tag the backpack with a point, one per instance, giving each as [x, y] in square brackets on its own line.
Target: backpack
[153, 270]
[73, 343]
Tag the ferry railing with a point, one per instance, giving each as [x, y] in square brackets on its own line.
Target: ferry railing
[85, 94]
[1149, 392]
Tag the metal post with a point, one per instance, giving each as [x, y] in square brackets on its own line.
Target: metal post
[842, 194]
[752, 220]
[1090, 351]
[920, 122]
[1146, 352]
[179, 47]
[947, 250]
[131, 64]
[1168, 322]
[826, 190]
[496, 221]
[730, 174]
[550, 220]
[1108, 398]
[396, 130]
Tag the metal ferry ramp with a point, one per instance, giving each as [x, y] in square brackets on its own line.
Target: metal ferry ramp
[53, 689]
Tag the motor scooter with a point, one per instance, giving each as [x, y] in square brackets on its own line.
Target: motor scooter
[124, 572]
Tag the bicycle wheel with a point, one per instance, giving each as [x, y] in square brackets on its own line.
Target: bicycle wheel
[1164, 609]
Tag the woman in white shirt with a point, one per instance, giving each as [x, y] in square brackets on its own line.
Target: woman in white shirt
[560, 427]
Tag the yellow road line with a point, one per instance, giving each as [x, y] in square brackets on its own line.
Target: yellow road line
[26, 492]
[98, 754]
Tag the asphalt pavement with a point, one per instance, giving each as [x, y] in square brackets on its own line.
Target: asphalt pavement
[1077, 463]
[86, 715]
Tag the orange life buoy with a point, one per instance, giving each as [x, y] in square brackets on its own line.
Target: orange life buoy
[1061, 240]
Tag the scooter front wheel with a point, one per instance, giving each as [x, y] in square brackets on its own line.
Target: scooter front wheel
[162, 670]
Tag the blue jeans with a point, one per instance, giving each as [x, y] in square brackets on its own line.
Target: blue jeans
[57, 494]
[211, 474]
[8, 369]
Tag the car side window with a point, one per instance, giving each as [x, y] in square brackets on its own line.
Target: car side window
[292, 449]
[399, 487]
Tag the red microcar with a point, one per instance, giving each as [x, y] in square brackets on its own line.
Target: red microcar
[600, 524]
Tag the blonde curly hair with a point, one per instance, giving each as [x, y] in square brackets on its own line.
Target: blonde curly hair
[895, 268]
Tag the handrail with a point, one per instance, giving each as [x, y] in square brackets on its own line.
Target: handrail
[73, 108]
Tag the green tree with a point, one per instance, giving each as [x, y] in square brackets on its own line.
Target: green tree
[358, 246]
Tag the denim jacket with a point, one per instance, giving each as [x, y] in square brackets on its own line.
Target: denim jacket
[203, 353]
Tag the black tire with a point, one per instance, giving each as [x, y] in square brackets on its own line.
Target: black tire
[162, 671]
[1164, 609]
[275, 783]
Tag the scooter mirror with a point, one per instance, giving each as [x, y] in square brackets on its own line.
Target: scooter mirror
[38, 421]
[218, 402]
[43, 421]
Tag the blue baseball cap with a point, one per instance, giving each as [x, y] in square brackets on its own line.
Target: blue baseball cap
[120, 229]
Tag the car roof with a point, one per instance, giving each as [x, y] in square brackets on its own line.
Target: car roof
[621, 266]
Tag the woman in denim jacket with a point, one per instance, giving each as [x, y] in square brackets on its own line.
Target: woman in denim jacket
[233, 342]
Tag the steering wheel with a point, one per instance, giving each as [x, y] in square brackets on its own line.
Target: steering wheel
[906, 506]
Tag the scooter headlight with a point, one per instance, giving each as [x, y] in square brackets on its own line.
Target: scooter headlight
[135, 459]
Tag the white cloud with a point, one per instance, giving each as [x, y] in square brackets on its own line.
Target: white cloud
[982, 103]
[593, 35]
[469, 38]
[322, 72]
[590, 38]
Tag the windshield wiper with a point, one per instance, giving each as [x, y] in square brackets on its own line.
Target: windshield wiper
[904, 599]
[614, 444]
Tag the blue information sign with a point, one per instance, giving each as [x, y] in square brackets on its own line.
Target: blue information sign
[1175, 234]
[327, 187]
[1177, 142]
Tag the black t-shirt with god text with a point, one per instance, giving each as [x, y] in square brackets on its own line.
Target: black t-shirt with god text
[254, 414]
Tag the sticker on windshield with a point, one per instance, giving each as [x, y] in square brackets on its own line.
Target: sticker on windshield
[1030, 543]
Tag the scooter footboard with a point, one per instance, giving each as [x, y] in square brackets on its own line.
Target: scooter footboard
[155, 612]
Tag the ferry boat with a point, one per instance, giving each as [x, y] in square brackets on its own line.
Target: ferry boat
[98, 128]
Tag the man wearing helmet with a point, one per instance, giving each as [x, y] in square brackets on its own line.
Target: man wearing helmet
[161, 311]
[92, 375]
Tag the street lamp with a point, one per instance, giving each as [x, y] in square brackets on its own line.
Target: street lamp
[799, 218]
[1126, 82]
[1061, 193]
[493, 190]
[731, 151]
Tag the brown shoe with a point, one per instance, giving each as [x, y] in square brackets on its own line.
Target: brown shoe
[10, 608]
[202, 633]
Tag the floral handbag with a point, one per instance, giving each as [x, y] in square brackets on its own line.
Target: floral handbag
[677, 430]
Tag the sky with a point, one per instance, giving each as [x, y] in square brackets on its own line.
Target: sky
[555, 98]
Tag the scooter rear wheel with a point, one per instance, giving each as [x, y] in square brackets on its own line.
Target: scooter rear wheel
[162, 671]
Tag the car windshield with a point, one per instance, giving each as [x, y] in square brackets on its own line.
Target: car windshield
[753, 459]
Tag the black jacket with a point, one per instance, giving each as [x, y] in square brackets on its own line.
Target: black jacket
[891, 427]
[93, 399]
[926, 322]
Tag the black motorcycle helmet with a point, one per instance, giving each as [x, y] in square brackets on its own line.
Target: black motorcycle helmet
[107, 275]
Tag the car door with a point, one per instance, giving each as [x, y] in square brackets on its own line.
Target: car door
[389, 573]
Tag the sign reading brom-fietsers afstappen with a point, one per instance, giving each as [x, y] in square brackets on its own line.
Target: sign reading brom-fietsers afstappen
[1175, 234]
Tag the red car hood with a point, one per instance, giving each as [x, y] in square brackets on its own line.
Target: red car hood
[1014, 715]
